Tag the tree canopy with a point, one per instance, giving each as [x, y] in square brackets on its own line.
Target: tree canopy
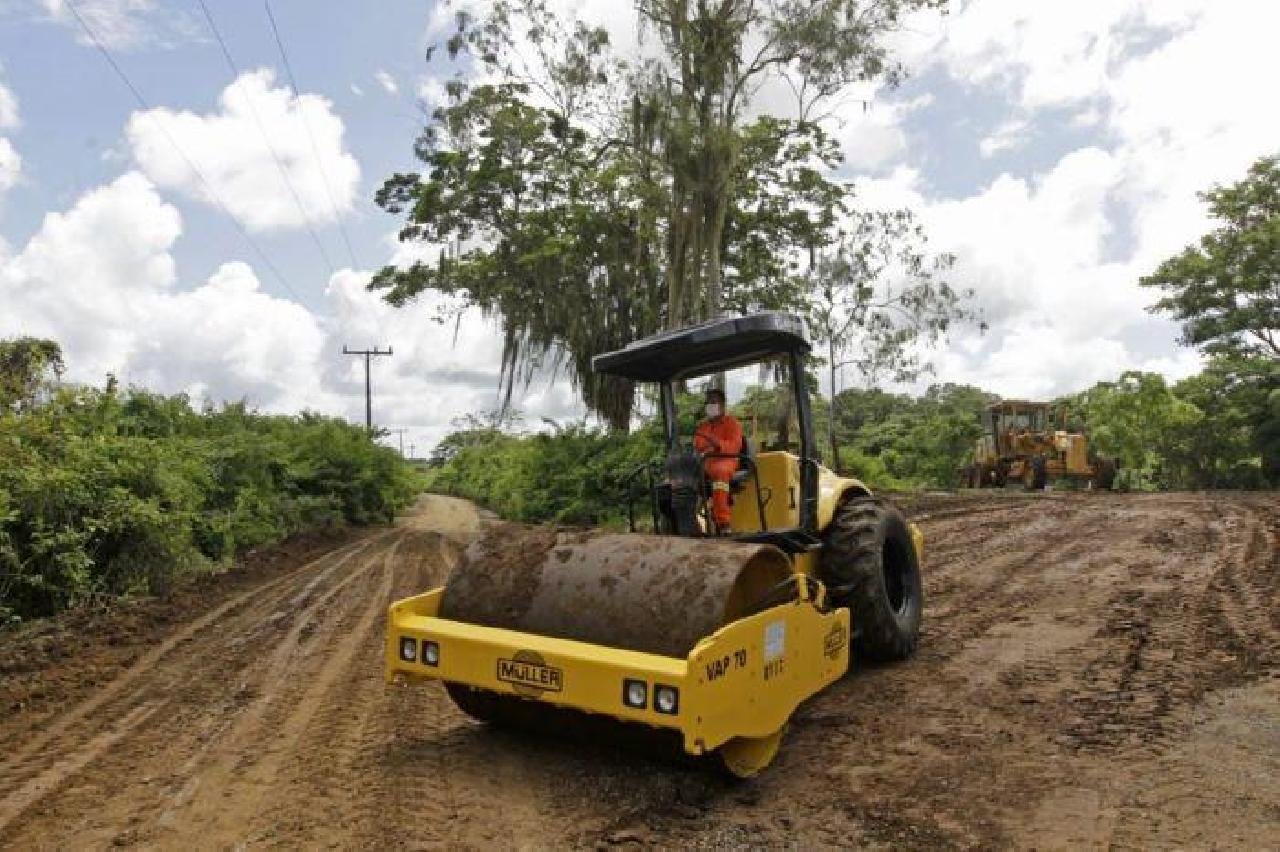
[1226, 290]
[586, 199]
[27, 365]
[878, 297]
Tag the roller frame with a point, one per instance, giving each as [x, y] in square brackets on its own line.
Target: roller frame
[727, 687]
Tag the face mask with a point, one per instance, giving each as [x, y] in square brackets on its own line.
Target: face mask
[713, 409]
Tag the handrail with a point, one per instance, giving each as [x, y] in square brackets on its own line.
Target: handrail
[653, 500]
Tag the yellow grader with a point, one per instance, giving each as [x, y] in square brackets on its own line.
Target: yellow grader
[706, 639]
[1028, 442]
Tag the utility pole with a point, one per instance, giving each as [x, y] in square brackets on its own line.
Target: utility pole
[400, 432]
[368, 395]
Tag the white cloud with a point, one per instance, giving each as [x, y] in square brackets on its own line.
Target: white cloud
[100, 279]
[1048, 54]
[1186, 120]
[431, 92]
[227, 339]
[1056, 256]
[870, 131]
[10, 165]
[1008, 136]
[124, 24]
[357, 91]
[229, 150]
[1087, 118]
[387, 82]
[8, 108]
[1036, 253]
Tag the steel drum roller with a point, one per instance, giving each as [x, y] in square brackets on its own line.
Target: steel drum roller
[657, 594]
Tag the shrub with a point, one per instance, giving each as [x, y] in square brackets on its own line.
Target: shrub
[105, 494]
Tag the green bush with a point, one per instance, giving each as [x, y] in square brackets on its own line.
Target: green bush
[574, 474]
[105, 494]
[1220, 429]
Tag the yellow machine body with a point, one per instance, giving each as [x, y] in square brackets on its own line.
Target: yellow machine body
[742, 682]
[1018, 431]
[713, 638]
[737, 687]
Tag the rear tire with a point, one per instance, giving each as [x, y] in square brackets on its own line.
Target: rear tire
[1104, 476]
[1036, 475]
[869, 564]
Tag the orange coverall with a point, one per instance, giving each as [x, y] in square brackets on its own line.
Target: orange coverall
[722, 434]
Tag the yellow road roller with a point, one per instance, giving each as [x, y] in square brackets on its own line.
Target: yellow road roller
[702, 632]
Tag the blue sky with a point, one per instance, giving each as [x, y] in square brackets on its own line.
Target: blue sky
[1055, 148]
[74, 108]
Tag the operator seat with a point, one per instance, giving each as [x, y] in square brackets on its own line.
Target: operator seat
[746, 464]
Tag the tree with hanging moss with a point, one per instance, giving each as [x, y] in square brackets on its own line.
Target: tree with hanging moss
[585, 200]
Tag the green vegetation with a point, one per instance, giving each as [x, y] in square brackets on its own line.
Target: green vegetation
[1226, 289]
[105, 492]
[1219, 429]
[572, 474]
[588, 199]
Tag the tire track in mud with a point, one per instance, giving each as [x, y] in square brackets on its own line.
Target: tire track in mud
[1070, 640]
[1171, 637]
[1241, 585]
[70, 744]
[322, 767]
[38, 742]
[35, 789]
[365, 737]
[188, 688]
[242, 762]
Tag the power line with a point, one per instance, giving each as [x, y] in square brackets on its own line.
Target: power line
[266, 140]
[208, 187]
[315, 148]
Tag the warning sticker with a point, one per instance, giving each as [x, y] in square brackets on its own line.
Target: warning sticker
[775, 640]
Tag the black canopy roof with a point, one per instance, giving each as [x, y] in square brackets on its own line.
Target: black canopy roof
[719, 344]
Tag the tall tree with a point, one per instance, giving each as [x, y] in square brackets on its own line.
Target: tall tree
[1226, 290]
[878, 298]
[716, 57]
[553, 195]
[27, 367]
[1240, 429]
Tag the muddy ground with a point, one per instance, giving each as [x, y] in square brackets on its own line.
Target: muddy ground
[1095, 671]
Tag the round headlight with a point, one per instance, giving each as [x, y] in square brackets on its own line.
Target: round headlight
[408, 649]
[431, 653]
[665, 699]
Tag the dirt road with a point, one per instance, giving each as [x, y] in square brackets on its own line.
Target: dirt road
[1096, 671]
